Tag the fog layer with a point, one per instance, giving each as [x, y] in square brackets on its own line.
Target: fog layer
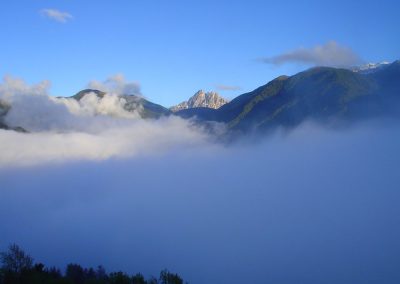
[93, 128]
[314, 206]
[94, 186]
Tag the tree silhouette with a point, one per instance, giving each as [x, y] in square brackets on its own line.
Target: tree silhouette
[15, 260]
[138, 279]
[169, 278]
[75, 273]
[17, 268]
[119, 278]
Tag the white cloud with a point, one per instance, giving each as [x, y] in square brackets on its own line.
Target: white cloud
[329, 54]
[91, 105]
[137, 138]
[13, 86]
[63, 129]
[34, 110]
[116, 84]
[59, 16]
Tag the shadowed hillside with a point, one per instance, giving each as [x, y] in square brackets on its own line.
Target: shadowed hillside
[322, 94]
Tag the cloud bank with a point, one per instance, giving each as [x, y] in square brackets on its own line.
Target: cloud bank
[329, 54]
[56, 15]
[314, 206]
[93, 184]
[136, 139]
[63, 129]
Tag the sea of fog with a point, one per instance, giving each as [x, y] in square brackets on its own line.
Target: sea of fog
[92, 185]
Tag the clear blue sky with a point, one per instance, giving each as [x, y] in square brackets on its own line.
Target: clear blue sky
[174, 48]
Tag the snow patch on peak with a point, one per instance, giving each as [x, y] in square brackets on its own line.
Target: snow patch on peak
[370, 67]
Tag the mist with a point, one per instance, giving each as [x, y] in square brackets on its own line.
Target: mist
[309, 206]
[94, 184]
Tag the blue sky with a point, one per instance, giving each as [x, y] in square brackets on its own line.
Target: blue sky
[174, 48]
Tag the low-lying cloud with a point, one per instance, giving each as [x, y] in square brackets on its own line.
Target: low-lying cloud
[56, 15]
[328, 54]
[122, 142]
[116, 84]
[93, 128]
[312, 205]
[32, 108]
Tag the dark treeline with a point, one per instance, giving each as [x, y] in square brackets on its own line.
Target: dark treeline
[18, 267]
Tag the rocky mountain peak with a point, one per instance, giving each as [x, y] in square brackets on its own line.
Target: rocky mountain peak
[201, 99]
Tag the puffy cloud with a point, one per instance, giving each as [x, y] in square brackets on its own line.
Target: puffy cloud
[35, 110]
[16, 86]
[56, 15]
[329, 54]
[92, 105]
[93, 128]
[116, 84]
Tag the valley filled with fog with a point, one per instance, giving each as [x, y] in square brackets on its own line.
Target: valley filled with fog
[200, 142]
[94, 184]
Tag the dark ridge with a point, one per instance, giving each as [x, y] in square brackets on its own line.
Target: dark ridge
[78, 96]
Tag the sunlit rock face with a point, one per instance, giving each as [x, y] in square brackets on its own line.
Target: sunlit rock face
[201, 99]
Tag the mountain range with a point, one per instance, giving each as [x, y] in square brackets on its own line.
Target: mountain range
[323, 94]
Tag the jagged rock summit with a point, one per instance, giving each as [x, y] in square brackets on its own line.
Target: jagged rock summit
[201, 99]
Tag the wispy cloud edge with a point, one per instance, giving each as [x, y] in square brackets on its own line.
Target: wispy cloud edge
[56, 15]
[328, 54]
